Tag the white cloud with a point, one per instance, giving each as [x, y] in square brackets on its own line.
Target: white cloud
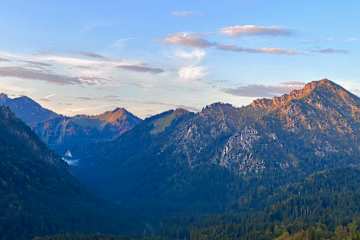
[196, 54]
[190, 73]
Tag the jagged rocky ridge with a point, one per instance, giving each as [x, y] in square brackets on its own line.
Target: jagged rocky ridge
[210, 158]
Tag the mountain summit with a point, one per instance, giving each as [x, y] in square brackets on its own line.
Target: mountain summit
[321, 105]
[119, 118]
[316, 90]
[114, 115]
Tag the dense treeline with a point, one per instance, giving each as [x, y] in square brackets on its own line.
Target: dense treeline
[91, 237]
[322, 206]
[350, 231]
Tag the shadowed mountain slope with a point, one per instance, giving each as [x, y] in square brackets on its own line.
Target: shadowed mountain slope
[38, 195]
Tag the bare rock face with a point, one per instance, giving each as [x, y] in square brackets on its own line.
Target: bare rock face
[237, 153]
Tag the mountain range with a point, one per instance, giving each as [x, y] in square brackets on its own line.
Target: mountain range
[274, 167]
[207, 161]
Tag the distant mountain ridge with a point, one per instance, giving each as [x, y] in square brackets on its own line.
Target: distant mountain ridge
[66, 133]
[62, 133]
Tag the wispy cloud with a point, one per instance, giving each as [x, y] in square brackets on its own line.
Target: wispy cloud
[185, 13]
[85, 98]
[83, 68]
[90, 27]
[48, 97]
[121, 43]
[352, 39]
[24, 73]
[141, 68]
[188, 39]
[331, 51]
[254, 30]
[93, 55]
[277, 51]
[194, 40]
[258, 90]
[4, 59]
[37, 63]
[104, 62]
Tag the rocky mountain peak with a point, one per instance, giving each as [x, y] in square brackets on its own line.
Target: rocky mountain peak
[324, 89]
[114, 115]
[324, 85]
[118, 115]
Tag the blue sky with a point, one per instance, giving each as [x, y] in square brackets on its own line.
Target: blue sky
[149, 56]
